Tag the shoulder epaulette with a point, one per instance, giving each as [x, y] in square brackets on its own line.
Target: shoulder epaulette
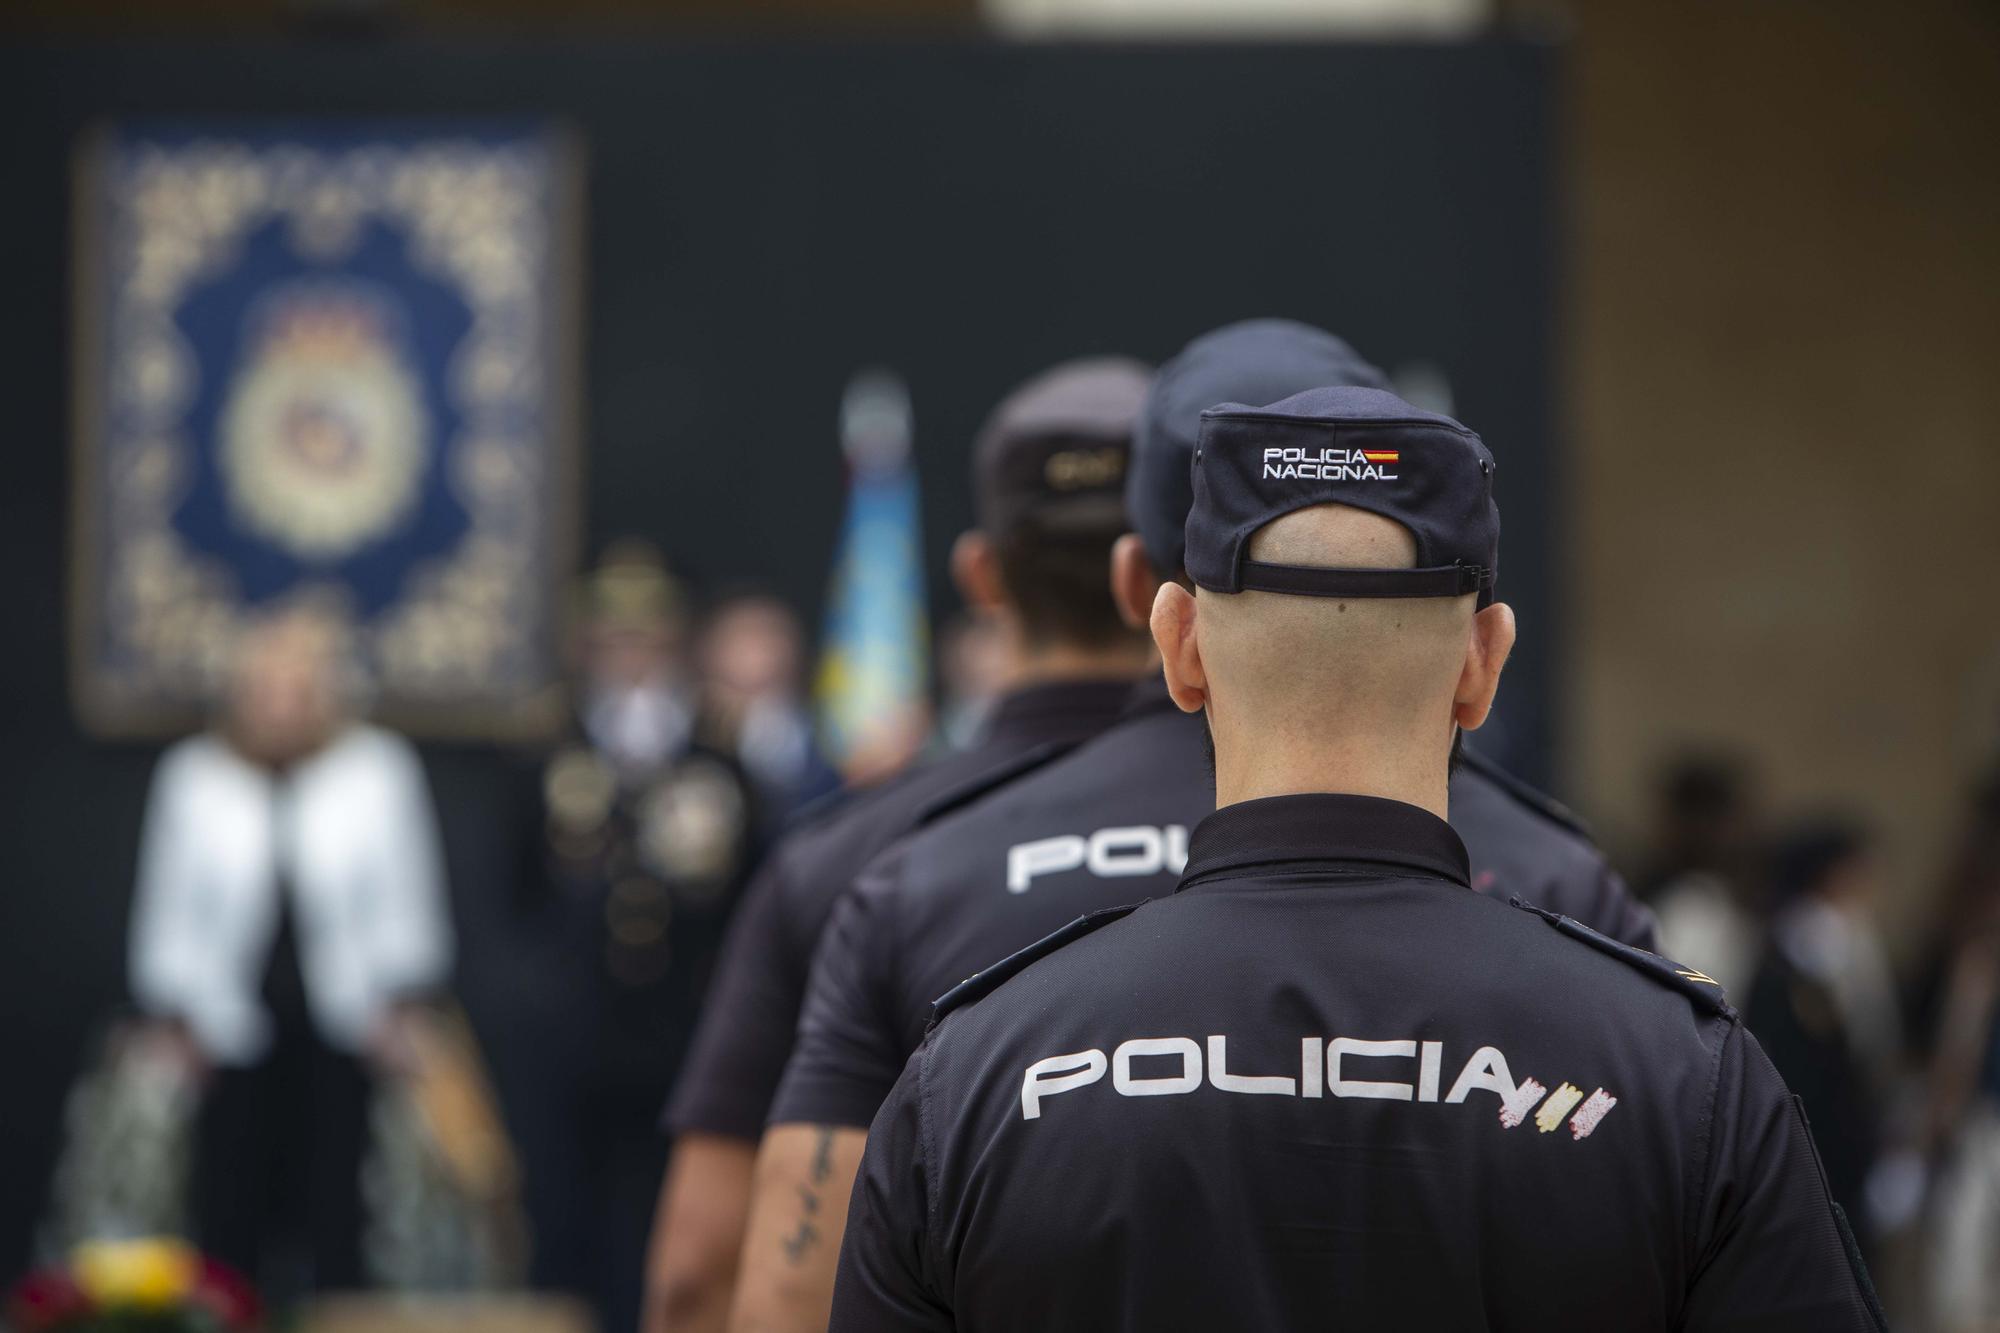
[1698, 986]
[958, 795]
[1534, 798]
[983, 983]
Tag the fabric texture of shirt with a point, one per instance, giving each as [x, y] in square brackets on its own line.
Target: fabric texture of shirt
[752, 1012]
[1325, 1085]
[1103, 826]
[349, 835]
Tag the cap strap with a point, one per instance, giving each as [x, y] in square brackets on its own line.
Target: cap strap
[1312, 581]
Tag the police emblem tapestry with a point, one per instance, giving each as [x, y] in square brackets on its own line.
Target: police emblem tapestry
[331, 364]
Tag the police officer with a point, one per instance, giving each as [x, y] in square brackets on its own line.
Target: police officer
[1049, 470]
[1325, 1083]
[1105, 825]
[638, 839]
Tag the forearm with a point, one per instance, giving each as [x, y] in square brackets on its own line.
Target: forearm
[804, 1176]
[698, 1231]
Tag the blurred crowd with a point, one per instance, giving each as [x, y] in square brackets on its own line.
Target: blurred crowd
[301, 1091]
[1897, 1068]
[297, 1085]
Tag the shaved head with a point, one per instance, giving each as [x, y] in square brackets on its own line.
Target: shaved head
[1326, 693]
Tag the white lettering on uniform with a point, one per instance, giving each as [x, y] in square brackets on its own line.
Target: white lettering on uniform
[1163, 1085]
[1126, 851]
[1427, 1074]
[1110, 853]
[1486, 1069]
[1048, 856]
[1219, 1075]
[1320, 1070]
[1354, 1087]
[1328, 464]
[1068, 1071]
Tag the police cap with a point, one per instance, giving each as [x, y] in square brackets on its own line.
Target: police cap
[1365, 448]
[1053, 454]
[1250, 361]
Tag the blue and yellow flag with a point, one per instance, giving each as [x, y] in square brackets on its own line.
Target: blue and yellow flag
[873, 688]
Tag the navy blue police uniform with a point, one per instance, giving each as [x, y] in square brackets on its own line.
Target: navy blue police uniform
[994, 870]
[1324, 1084]
[998, 866]
[1055, 450]
[752, 1010]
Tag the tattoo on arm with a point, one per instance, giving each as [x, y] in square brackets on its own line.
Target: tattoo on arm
[807, 1234]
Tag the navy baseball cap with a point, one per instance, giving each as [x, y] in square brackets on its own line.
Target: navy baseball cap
[1361, 447]
[1053, 456]
[1251, 361]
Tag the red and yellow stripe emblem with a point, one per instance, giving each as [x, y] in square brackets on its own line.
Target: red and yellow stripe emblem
[1382, 455]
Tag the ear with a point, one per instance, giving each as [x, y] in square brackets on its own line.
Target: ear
[1133, 580]
[975, 568]
[1180, 654]
[1487, 647]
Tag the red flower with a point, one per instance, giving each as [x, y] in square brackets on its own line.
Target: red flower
[46, 1299]
[226, 1294]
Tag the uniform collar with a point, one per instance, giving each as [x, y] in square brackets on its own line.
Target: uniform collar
[1278, 830]
[1066, 710]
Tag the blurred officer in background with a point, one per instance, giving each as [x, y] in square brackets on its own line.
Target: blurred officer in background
[1705, 883]
[1324, 1080]
[1103, 826]
[1958, 1007]
[290, 910]
[641, 839]
[753, 703]
[1824, 1002]
[1048, 477]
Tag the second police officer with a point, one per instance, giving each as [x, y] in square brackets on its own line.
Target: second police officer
[1104, 825]
[1049, 469]
[1324, 1083]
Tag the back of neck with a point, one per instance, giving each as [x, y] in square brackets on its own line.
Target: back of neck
[1248, 768]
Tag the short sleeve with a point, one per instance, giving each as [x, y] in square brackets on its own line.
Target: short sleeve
[887, 1277]
[849, 1051]
[748, 1020]
[1774, 1255]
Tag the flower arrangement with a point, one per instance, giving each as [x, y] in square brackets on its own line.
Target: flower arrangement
[134, 1286]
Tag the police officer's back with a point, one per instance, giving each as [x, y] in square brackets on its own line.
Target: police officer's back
[1108, 823]
[1324, 1084]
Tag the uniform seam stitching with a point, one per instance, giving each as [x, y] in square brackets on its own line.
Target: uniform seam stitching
[891, 928]
[925, 1136]
[1705, 1144]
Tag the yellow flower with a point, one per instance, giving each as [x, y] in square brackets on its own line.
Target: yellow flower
[142, 1274]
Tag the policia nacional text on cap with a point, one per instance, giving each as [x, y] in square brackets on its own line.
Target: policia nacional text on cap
[1324, 1084]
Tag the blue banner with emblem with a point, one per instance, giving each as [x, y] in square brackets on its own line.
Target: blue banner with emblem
[328, 362]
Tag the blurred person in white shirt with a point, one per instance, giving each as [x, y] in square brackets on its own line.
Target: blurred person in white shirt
[1824, 1003]
[1704, 881]
[290, 913]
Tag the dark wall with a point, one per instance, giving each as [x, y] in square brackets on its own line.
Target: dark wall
[762, 221]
